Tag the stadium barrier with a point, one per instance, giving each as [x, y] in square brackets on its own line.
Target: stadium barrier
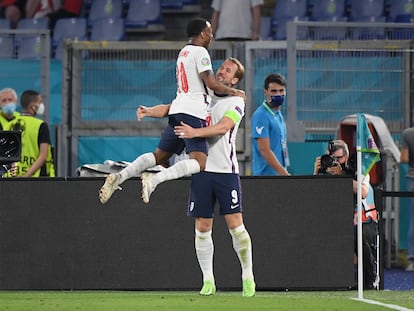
[58, 236]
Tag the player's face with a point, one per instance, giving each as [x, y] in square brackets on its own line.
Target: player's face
[226, 73]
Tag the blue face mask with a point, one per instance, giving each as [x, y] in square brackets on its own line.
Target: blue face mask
[277, 100]
[9, 108]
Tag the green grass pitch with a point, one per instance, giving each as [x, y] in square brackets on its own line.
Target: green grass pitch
[182, 301]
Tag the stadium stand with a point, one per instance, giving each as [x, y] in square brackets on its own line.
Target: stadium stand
[324, 9]
[400, 10]
[367, 33]
[334, 33]
[266, 28]
[4, 23]
[172, 4]
[7, 47]
[33, 23]
[366, 8]
[289, 10]
[141, 13]
[108, 29]
[29, 46]
[68, 28]
[105, 9]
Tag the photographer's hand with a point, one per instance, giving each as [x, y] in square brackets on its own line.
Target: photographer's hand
[335, 170]
[317, 166]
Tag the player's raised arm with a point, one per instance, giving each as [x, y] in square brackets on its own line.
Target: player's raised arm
[159, 111]
[214, 85]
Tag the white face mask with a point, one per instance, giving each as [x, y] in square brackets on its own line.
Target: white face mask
[41, 110]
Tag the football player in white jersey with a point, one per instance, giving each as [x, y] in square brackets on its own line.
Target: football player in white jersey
[194, 75]
[220, 180]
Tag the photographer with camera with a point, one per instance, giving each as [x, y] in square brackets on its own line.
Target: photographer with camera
[337, 161]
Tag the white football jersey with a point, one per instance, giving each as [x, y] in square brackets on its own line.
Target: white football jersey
[192, 95]
[222, 156]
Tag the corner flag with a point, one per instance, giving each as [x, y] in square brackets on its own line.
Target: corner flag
[367, 156]
[368, 148]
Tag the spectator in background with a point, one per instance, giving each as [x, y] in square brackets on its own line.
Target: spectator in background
[69, 8]
[8, 105]
[13, 10]
[36, 159]
[341, 165]
[236, 19]
[41, 8]
[269, 137]
[53, 9]
[407, 156]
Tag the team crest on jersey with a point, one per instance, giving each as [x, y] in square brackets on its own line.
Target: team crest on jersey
[205, 61]
[238, 109]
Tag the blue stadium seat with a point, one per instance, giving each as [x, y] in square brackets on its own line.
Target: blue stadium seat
[68, 28]
[265, 28]
[108, 29]
[29, 47]
[400, 7]
[280, 28]
[172, 4]
[368, 33]
[7, 47]
[331, 33]
[143, 12]
[327, 8]
[105, 9]
[366, 8]
[290, 8]
[74, 28]
[402, 33]
[4, 23]
[33, 23]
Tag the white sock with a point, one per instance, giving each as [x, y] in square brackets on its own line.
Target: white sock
[205, 249]
[243, 247]
[140, 164]
[179, 169]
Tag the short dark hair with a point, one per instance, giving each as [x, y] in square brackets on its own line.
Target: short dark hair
[274, 78]
[196, 26]
[28, 97]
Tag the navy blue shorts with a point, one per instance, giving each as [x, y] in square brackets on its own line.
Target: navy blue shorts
[170, 142]
[208, 188]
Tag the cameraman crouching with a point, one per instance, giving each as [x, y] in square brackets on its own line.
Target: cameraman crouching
[336, 161]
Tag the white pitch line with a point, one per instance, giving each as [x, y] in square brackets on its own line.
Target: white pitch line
[387, 305]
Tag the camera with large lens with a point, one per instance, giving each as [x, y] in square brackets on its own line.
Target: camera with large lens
[327, 161]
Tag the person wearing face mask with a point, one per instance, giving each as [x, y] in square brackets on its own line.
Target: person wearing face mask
[269, 136]
[36, 159]
[8, 105]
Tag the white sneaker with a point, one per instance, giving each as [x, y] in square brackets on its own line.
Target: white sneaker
[111, 184]
[148, 186]
[410, 266]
